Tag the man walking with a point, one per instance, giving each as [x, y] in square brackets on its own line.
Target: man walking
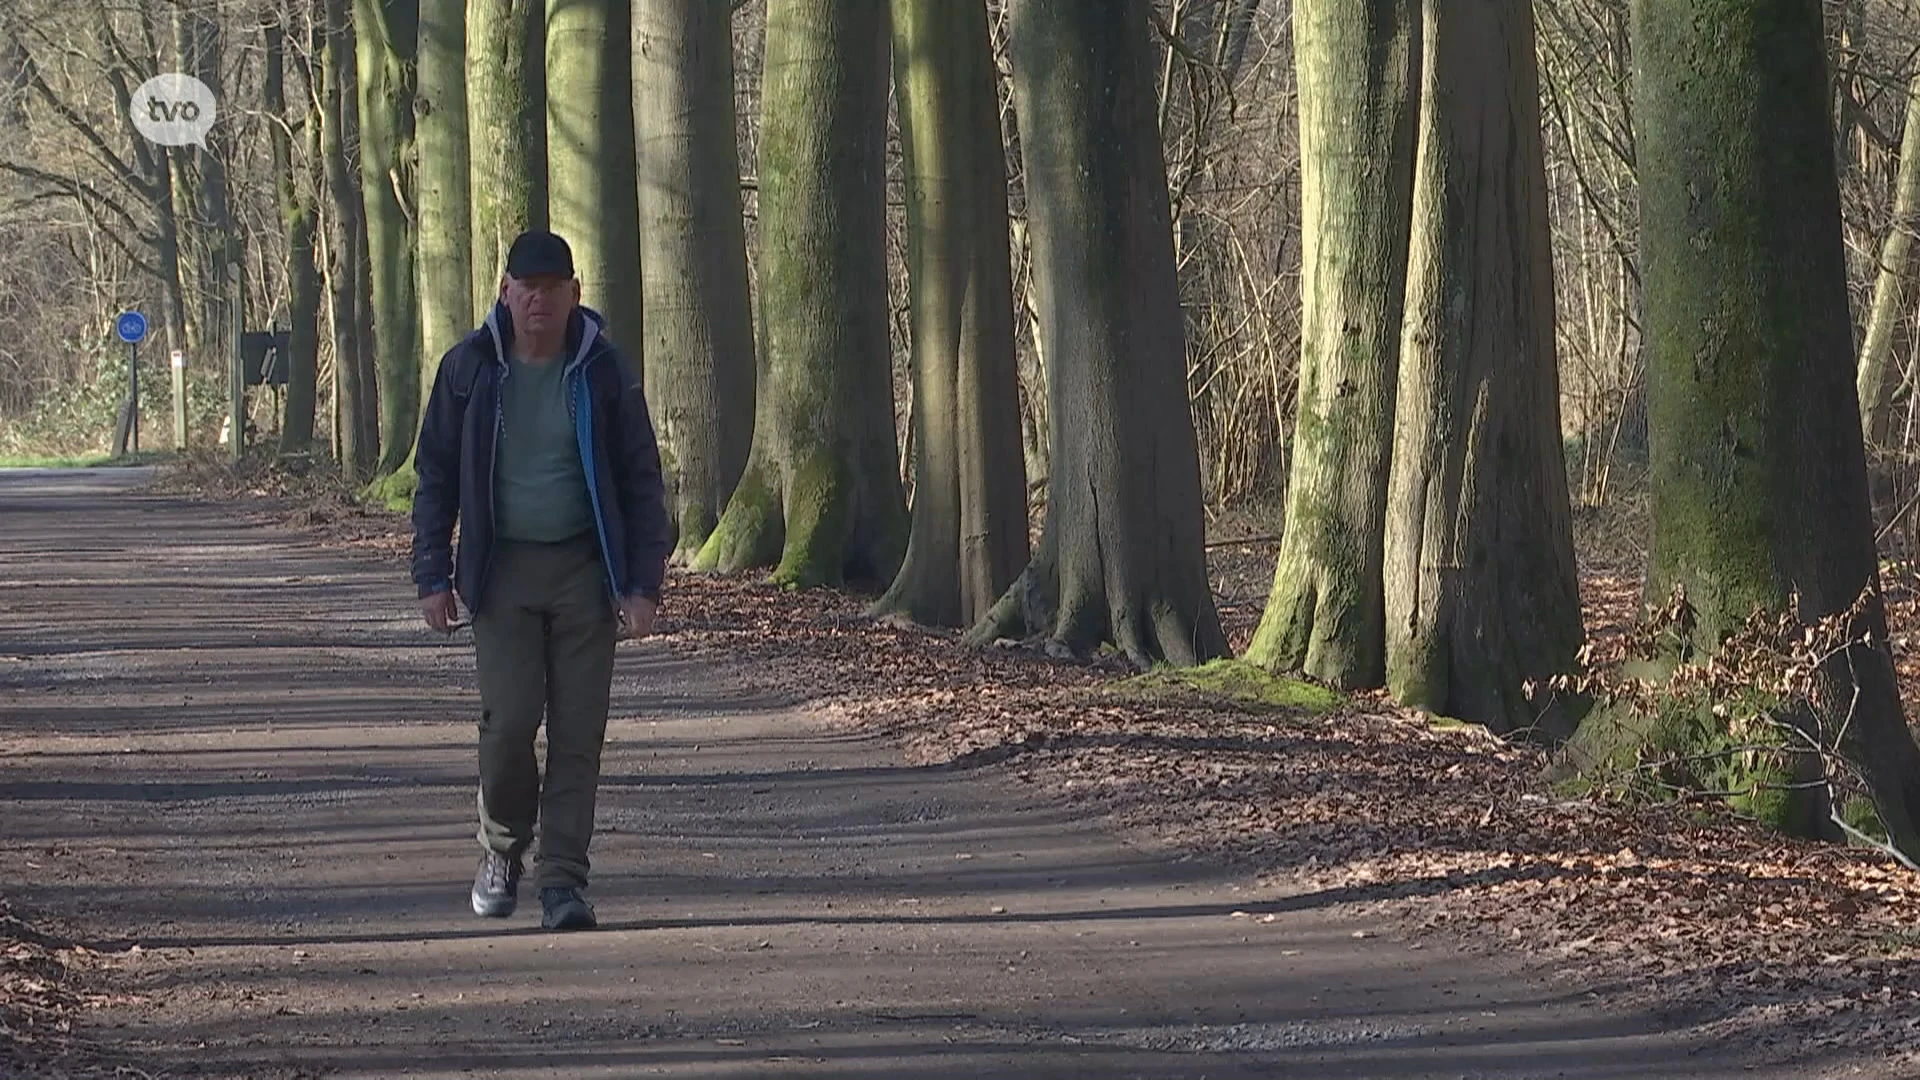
[537, 440]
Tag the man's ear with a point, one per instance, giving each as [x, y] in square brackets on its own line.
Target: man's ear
[503, 286]
[576, 292]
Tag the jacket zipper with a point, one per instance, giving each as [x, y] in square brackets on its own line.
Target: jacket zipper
[493, 453]
[575, 374]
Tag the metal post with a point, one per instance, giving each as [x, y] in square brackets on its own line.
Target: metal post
[133, 377]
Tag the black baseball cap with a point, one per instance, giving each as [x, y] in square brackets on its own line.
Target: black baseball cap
[539, 252]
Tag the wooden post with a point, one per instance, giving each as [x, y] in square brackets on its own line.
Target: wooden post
[179, 401]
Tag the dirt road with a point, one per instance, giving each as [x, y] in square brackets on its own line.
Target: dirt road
[241, 753]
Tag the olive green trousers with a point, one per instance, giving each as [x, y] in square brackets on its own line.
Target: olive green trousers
[544, 643]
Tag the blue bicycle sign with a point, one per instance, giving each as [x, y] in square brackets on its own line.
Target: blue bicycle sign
[131, 326]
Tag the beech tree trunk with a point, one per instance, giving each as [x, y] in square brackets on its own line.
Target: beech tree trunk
[591, 170]
[445, 269]
[1759, 470]
[821, 489]
[299, 219]
[1358, 65]
[507, 116]
[969, 535]
[1481, 591]
[351, 394]
[1122, 556]
[1877, 370]
[386, 38]
[202, 219]
[699, 318]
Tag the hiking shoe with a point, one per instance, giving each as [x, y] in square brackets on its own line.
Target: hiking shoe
[496, 886]
[566, 909]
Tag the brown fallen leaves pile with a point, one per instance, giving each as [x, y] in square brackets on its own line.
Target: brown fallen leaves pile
[1803, 948]
[45, 985]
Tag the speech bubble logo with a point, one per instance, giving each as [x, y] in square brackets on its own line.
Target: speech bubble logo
[174, 110]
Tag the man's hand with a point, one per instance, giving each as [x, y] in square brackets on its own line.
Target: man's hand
[637, 615]
[440, 611]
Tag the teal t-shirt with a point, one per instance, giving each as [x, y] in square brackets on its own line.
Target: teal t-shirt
[540, 491]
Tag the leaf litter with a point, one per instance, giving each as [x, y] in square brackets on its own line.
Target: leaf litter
[1440, 831]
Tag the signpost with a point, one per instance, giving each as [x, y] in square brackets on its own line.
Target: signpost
[132, 326]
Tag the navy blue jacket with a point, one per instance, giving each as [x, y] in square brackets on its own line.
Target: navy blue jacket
[456, 462]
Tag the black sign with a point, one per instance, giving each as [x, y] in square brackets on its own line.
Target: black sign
[263, 353]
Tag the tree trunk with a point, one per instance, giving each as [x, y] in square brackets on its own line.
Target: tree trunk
[202, 221]
[822, 482]
[1122, 556]
[367, 361]
[446, 231]
[591, 168]
[15, 62]
[1358, 65]
[173, 303]
[507, 115]
[699, 318]
[1758, 468]
[1481, 591]
[297, 218]
[337, 112]
[386, 36]
[205, 230]
[969, 534]
[1876, 375]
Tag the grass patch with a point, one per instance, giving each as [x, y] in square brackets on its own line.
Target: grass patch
[88, 461]
[1233, 682]
[1900, 941]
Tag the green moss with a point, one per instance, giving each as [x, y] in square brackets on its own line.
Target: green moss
[1234, 681]
[1682, 748]
[697, 521]
[394, 490]
[1416, 672]
[819, 521]
[1859, 813]
[749, 532]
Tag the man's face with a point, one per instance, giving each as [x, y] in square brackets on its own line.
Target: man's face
[540, 303]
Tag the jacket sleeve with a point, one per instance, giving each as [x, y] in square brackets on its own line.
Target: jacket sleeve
[436, 500]
[643, 493]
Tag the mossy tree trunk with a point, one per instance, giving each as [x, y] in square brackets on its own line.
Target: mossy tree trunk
[1358, 65]
[299, 218]
[1876, 375]
[969, 536]
[699, 318]
[507, 118]
[1481, 591]
[352, 397]
[593, 201]
[446, 231]
[440, 222]
[1122, 556]
[821, 489]
[1759, 471]
[386, 38]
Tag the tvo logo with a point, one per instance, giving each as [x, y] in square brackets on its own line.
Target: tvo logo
[174, 110]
